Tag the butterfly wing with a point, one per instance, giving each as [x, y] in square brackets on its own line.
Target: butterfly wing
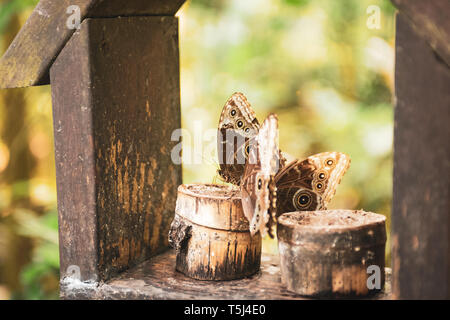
[310, 184]
[258, 190]
[237, 126]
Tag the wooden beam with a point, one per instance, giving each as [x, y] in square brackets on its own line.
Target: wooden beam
[420, 217]
[431, 21]
[114, 8]
[116, 101]
[30, 56]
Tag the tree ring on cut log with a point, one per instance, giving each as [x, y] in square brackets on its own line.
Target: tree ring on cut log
[211, 234]
[327, 253]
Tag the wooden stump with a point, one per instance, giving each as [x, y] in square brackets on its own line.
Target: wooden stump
[211, 234]
[332, 253]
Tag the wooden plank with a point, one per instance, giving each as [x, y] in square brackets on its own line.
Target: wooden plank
[30, 56]
[420, 217]
[431, 20]
[157, 279]
[116, 97]
[114, 8]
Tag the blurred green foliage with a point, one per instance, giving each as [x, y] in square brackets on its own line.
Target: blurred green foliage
[317, 64]
[11, 7]
[314, 63]
[40, 276]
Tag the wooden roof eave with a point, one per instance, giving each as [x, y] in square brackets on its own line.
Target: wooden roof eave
[31, 54]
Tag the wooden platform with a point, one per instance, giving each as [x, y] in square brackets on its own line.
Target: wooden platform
[157, 279]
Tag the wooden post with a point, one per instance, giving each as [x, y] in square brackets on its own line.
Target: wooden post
[116, 102]
[211, 234]
[332, 253]
[29, 57]
[420, 216]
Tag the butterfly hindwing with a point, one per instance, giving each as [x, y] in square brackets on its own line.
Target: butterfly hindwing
[310, 184]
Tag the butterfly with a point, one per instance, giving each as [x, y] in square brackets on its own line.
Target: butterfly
[254, 162]
[302, 185]
[238, 127]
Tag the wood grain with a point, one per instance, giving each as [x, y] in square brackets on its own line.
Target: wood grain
[420, 216]
[213, 206]
[211, 254]
[327, 253]
[29, 57]
[431, 21]
[116, 102]
[211, 234]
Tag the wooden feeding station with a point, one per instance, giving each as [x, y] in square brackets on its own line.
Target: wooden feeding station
[116, 100]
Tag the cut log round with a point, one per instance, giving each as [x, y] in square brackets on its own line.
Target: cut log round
[332, 253]
[211, 234]
[213, 206]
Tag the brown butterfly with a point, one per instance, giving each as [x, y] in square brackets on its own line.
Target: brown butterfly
[238, 126]
[306, 185]
[310, 184]
[249, 157]
[258, 190]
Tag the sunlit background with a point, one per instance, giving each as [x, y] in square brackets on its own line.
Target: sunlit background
[317, 64]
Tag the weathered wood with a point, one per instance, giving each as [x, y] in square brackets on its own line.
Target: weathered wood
[431, 20]
[36, 46]
[420, 216]
[114, 8]
[327, 253]
[157, 279]
[115, 89]
[213, 206]
[211, 234]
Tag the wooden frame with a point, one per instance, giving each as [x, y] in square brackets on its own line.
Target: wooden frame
[420, 215]
[115, 87]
